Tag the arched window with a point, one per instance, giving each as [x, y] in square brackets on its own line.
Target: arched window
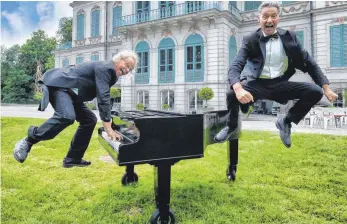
[66, 62]
[143, 98]
[95, 29]
[167, 97]
[194, 101]
[194, 58]
[232, 49]
[166, 52]
[80, 25]
[117, 19]
[79, 59]
[142, 73]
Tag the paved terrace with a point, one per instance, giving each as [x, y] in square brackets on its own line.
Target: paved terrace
[255, 122]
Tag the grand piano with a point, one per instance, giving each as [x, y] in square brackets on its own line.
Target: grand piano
[162, 139]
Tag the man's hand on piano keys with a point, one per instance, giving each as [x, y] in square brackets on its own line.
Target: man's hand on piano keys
[114, 135]
[111, 133]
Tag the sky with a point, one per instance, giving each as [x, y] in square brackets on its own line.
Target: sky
[20, 19]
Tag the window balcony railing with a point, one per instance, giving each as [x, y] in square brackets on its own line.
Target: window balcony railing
[168, 12]
[235, 12]
[64, 46]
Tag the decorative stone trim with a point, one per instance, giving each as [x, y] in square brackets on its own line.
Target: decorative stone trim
[340, 20]
[115, 38]
[80, 42]
[95, 40]
[167, 32]
[142, 36]
[296, 8]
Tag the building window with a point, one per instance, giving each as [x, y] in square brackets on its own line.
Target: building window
[95, 57]
[338, 46]
[194, 101]
[252, 5]
[194, 58]
[142, 11]
[79, 60]
[95, 29]
[232, 49]
[300, 37]
[143, 98]
[167, 97]
[66, 62]
[117, 19]
[142, 73]
[166, 52]
[232, 4]
[80, 25]
[194, 6]
[167, 9]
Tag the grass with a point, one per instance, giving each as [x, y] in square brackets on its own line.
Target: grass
[306, 184]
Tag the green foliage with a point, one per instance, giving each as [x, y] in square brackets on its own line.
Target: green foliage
[91, 105]
[306, 184]
[37, 50]
[9, 59]
[140, 106]
[50, 63]
[115, 92]
[345, 97]
[250, 110]
[38, 96]
[17, 86]
[206, 93]
[64, 33]
[166, 106]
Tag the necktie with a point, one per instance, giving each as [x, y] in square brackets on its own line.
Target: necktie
[267, 38]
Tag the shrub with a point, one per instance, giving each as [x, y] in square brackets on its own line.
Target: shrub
[140, 106]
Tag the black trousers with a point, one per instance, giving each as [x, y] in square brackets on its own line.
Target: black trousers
[279, 90]
[67, 110]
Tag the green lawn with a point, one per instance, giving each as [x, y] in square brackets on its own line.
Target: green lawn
[306, 184]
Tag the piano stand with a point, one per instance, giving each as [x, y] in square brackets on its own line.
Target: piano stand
[130, 176]
[162, 179]
[233, 151]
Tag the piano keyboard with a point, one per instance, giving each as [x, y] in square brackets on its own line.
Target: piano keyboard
[115, 144]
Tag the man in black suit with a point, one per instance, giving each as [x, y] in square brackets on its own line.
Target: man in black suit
[261, 69]
[67, 89]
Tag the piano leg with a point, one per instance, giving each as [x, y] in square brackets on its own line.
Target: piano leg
[162, 179]
[233, 153]
[130, 176]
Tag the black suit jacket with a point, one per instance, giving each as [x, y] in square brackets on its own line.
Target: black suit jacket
[249, 61]
[93, 79]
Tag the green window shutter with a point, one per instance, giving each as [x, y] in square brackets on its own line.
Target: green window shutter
[300, 37]
[336, 46]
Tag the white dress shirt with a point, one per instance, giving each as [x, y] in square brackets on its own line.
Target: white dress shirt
[276, 61]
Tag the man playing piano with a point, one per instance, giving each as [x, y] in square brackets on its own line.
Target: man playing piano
[266, 60]
[67, 89]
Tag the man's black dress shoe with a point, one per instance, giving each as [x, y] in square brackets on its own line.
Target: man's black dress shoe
[285, 131]
[68, 163]
[224, 134]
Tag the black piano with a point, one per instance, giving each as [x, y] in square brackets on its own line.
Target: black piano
[162, 139]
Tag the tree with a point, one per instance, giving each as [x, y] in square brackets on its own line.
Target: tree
[35, 55]
[64, 33]
[206, 93]
[9, 59]
[17, 86]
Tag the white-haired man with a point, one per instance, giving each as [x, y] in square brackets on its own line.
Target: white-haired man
[266, 60]
[67, 89]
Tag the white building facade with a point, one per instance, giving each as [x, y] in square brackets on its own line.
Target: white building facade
[185, 46]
